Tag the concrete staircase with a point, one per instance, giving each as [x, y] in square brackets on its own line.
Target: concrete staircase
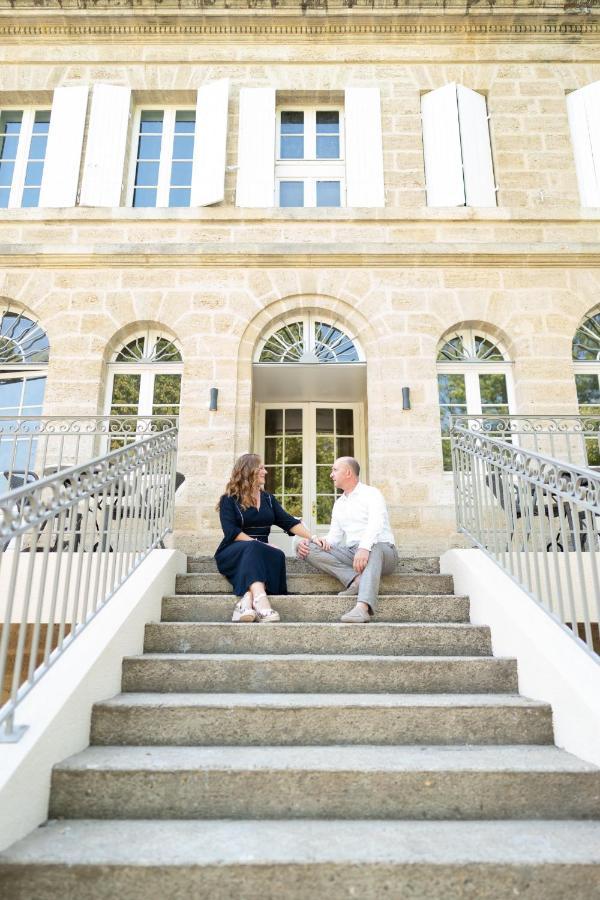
[313, 759]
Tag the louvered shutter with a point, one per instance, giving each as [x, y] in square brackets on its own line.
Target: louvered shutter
[105, 152]
[583, 107]
[60, 176]
[364, 150]
[210, 144]
[256, 148]
[478, 170]
[441, 147]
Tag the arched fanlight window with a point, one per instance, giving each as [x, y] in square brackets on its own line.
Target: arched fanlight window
[586, 363]
[145, 377]
[24, 355]
[308, 340]
[474, 378]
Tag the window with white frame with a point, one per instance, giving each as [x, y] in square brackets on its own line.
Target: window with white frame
[23, 140]
[144, 377]
[162, 157]
[586, 363]
[474, 378]
[456, 148]
[24, 355]
[309, 168]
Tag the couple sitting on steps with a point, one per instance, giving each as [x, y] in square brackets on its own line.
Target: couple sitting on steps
[358, 549]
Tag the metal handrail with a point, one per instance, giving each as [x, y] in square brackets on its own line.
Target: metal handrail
[32, 447]
[574, 438]
[538, 518]
[67, 544]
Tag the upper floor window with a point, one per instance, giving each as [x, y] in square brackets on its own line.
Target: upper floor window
[583, 107]
[23, 139]
[325, 154]
[474, 377]
[163, 157]
[456, 147]
[309, 168]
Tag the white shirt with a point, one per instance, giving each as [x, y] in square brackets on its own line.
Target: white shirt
[360, 517]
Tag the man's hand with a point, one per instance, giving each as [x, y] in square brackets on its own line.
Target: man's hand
[303, 549]
[361, 558]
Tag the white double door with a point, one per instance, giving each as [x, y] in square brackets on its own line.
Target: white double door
[299, 443]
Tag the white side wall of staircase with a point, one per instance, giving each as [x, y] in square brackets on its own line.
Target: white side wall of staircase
[58, 710]
[551, 666]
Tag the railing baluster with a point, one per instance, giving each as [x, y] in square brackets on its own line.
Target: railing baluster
[130, 491]
[500, 485]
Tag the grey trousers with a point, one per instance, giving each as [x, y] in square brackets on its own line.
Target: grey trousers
[338, 562]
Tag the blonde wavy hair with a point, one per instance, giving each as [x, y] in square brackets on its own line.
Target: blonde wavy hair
[243, 481]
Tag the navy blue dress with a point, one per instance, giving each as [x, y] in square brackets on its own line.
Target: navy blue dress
[244, 562]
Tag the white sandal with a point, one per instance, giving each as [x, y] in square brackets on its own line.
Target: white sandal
[242, 613]
[267, 615]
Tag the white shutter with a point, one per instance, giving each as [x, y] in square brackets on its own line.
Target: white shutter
[441, 148]
[105, 152]
[478, 170]
[210, 144]
[256, 148]
[60, 176]
[364, 150]
[583, 107]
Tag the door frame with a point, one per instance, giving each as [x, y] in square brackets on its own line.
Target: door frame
[309, 453]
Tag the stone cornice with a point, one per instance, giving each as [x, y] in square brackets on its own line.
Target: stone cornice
[285, 256]
[382, 19]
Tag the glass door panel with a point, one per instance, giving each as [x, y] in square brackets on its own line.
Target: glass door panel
[283, 456]
[299, 444]
[334, 430]
[588, 397]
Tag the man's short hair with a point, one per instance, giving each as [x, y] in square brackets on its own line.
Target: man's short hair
[352, 464]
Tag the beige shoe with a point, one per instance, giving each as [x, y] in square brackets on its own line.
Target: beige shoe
[265, 615]
[242, 611]
[356, 615]
[352, 589]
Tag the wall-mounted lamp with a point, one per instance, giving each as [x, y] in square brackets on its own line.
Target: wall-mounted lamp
[212, 405]
[405, 398]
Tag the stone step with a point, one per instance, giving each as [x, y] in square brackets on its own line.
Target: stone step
[380, 639]
[320, 608]
[223, 859]
[371, 782]
[322, 584]
[319, 719]
[312, 673]
[425, 564]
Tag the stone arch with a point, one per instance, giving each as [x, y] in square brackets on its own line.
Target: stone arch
[328, 306]
[127, 332]
[497, 335]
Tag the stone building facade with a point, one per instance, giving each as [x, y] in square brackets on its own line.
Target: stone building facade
[421, 289]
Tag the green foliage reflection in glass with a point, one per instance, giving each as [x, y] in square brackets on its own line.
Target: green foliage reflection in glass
[588, 395]
[335, 437]
[284, 458]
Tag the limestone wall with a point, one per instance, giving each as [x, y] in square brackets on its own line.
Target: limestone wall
[527, 271]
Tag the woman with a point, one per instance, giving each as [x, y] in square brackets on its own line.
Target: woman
[244, 556]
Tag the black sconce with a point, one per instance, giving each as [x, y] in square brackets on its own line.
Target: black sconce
[405, 398]
[214, 393]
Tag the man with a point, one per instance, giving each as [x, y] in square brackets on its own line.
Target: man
[359, 547]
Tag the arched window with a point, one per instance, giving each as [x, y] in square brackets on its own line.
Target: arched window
[307, 339]
[474, 377]
[24, 355]
[586, 363]
[145, 377]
